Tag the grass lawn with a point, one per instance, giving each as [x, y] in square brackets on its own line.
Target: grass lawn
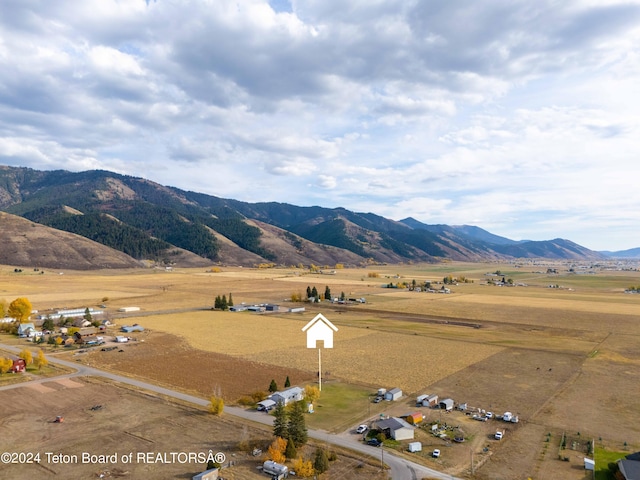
[603, 457]
[340, 406]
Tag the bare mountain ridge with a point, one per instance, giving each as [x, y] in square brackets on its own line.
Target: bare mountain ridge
[146, 220]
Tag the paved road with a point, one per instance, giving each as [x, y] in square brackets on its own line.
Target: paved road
[400, 468]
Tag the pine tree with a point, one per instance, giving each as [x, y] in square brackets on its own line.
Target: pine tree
[308, 291]
[217, 302]
[287, 382]
[314, 292]
[223, 302]
[230, 302]
[291, 451]
[296, 427]
[273, 386]
[321, 461]
[280, 421]
[327, 293]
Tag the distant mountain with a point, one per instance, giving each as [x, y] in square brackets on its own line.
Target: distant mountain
[631, 253]
[146, 220]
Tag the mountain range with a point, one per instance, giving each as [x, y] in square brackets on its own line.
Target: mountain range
[130, 220]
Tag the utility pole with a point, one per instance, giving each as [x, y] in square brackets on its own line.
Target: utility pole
[319, 370]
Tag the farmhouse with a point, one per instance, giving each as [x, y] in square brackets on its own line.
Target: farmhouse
[293, 394]
[396, 428]
[81, 322]
[629, 466]
[393, 394]
[26, 330]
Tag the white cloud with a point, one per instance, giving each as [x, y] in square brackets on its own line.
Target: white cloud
[523, 120]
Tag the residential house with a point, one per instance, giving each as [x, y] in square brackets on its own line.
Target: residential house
[293, 394]
[629, 466]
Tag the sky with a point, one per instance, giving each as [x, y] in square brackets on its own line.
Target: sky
[520, 117]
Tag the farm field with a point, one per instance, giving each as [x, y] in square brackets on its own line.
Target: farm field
[128, 422]
[563, 359]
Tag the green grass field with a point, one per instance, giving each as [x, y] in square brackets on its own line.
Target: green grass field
[341, 405]
[603, 458]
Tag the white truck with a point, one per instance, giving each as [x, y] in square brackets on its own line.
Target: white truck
[498, 435]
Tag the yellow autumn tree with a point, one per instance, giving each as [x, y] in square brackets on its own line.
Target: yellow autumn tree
[27, 356]
[5, 365]
[216, 406]
[276, 450]
[311, 393]
[20, 309]
[303, 468]
[41, 361]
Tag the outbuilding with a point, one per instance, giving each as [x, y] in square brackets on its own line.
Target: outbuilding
[396, 428]
[446, 404]
[265, 405]
[19, 365]
[415, 447]
[393, 394]
[430, 401]
[415, 418]
[420, 399]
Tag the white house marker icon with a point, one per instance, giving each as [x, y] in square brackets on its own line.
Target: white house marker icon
[320, 329]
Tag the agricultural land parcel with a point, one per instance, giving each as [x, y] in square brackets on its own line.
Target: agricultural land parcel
[564, 359]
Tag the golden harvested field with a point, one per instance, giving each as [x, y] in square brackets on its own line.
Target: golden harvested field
[360, 355]
[565, 359]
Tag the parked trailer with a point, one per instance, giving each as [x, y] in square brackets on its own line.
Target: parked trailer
[415, 447]
[278, 470]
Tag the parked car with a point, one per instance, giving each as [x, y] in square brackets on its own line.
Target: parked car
[374, 442]
[436, 453]
[362, 429]
[489, 415]
[377, 399]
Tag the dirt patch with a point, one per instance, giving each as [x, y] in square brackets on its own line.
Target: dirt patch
[168, 360]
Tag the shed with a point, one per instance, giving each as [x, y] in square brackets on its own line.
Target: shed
[589, 464]
[271, 307]
[414, 418]
[207, 475]
[420, 399]
[415, 447]
[19, 365]
[396, 428]
[446, 404]
[430, 401]
[393, 394]
[132, 328]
